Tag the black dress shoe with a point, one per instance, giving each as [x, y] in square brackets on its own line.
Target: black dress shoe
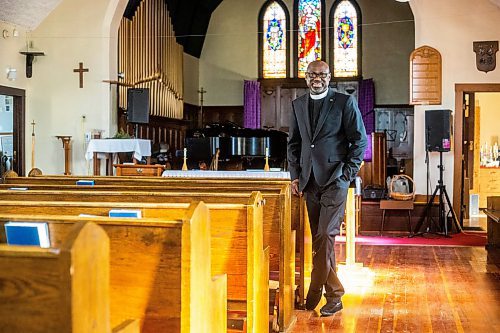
[313, 298]
[330, 308]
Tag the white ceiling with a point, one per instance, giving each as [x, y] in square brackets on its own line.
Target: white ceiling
[26, 13]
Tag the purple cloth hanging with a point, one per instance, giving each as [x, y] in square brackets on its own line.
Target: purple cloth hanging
[251, 106]
[366, 102]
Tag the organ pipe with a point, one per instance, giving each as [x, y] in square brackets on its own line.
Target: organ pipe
[150, 57]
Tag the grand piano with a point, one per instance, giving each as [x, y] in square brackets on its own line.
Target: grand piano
[239, 148]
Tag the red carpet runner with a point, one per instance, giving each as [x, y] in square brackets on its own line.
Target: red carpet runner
[460, 239]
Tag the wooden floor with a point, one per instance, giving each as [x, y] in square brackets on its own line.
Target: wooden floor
[415, 289]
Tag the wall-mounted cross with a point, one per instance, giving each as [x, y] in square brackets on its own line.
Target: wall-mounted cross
[81, 70]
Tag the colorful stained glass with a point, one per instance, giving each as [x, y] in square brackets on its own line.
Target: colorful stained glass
[274, 42]
[309, 33]
[345, 48]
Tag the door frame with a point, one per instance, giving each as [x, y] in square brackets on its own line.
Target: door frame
[19, 118]
[460, 89]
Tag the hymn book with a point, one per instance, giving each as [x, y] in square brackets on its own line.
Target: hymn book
[88, 182]
[125, 213]
[27, 233]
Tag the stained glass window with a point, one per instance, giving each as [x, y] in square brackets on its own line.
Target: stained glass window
[274, 42]
[346, 40]
[309, 33]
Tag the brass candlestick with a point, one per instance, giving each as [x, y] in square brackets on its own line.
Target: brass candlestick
[266, 167]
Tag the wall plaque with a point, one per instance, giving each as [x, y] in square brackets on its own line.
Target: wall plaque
[485, 55]
[425, 76]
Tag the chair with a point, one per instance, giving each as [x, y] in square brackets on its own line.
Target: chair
[396, 205]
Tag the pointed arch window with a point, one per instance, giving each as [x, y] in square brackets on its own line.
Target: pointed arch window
[309, 26]
[345, 38]
[273, 40]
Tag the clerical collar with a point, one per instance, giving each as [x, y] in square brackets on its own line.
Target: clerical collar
[320, 96]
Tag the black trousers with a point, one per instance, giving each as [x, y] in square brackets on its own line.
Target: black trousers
[325, 208]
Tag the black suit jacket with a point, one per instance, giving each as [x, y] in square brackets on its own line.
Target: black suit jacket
[335, 150]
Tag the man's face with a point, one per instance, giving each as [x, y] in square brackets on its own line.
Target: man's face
[317, 78]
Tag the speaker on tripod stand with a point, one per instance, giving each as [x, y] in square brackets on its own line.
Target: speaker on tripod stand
[438, 137]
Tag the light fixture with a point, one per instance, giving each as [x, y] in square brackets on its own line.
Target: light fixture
[269, 91]
[11, 73]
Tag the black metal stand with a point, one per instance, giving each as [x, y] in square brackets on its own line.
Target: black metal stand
[442, 224]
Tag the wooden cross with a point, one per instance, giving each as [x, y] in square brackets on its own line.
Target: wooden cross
[201, 92]
[81, 70]
[200, 112]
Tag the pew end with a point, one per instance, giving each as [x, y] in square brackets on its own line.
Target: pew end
[62, 289]
[219, 303]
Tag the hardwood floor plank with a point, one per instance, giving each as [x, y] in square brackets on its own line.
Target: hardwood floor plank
[414, 289]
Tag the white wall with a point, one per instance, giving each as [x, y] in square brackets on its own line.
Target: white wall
[191, 79]
[451, 26]
[76, 31]
[229, 53]
[10, 56]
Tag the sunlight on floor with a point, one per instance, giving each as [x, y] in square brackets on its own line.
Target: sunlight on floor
[357, 281]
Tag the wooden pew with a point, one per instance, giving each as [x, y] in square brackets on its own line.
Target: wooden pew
[277, 231]
[63, 289]
[242, 260]
[160, 272]
[281, 216]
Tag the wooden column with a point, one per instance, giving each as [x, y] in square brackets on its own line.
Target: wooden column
[66, 140]
[350, 226]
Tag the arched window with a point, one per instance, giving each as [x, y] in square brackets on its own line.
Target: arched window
[309, 28]
[273, 40]
[345, 38]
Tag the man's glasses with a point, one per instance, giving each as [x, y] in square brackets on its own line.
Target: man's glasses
[313, 75]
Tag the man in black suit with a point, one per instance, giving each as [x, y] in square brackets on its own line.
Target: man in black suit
[327, 140]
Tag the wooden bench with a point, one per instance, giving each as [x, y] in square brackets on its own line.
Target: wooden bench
[276, 228]
[63, 289]
[241, 260]
[283, 213]
[159, 270]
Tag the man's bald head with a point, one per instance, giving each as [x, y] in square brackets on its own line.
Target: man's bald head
[318, 77]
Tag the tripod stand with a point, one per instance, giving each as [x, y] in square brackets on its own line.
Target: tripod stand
[442, 224]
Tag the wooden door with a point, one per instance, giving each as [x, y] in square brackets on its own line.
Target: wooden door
[16, 160]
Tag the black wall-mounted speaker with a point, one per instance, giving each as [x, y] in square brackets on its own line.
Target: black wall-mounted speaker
[438, 130]
[138, 105]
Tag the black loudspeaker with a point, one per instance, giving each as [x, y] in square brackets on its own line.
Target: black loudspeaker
[438, 130]
[138, 105]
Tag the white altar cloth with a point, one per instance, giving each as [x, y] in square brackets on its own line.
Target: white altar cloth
[226, 174]
[139, 147]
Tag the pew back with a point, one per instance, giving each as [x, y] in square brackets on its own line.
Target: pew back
[282, 214]
[63, 289]
[160, 272]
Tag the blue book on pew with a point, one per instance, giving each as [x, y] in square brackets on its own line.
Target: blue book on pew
[88, 182]
[125, 213]
[27, 233]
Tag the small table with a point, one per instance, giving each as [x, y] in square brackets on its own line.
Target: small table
[99, 148]
[139, 170]
[396, 205]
